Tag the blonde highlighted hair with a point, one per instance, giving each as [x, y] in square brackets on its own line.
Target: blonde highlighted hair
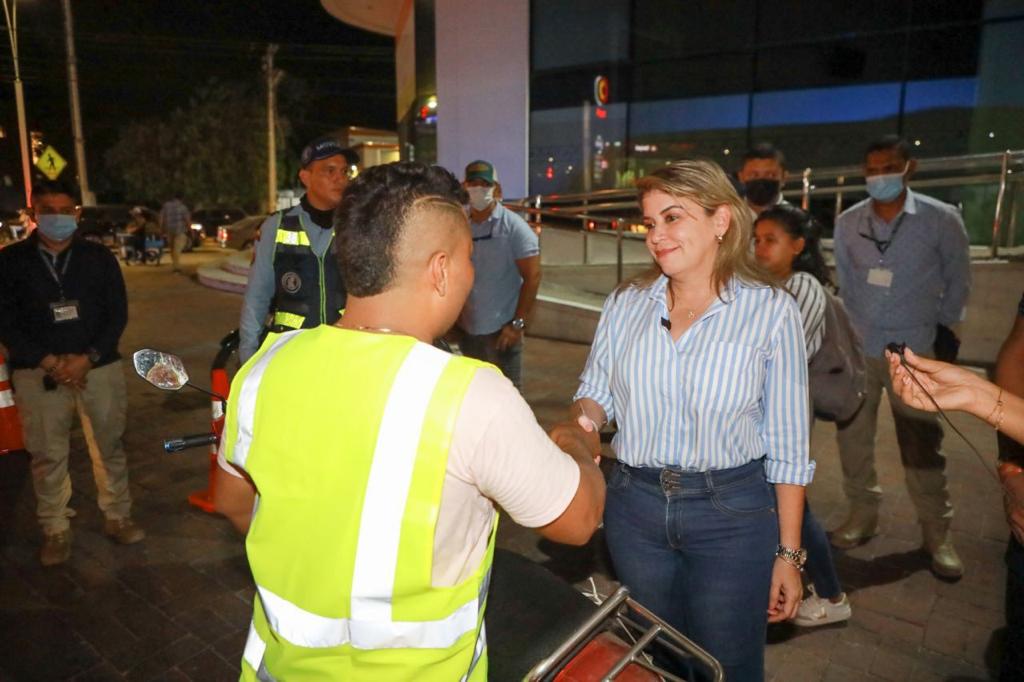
[705, 183]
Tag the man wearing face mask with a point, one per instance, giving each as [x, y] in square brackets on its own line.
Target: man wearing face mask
[62, 312]
[294, 274]
[903, 264]
[506, 255]
[761, 175]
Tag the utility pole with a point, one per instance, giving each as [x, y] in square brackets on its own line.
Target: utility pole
[11, 14]
[76, 112]
[273, 78]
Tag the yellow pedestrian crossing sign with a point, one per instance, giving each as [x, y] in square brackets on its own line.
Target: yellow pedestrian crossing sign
[51, 163]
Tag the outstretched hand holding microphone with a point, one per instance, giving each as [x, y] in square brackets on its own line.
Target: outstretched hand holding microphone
[936, 386]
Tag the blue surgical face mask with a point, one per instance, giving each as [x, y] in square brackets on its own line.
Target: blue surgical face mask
[57, 226]
[885, 188]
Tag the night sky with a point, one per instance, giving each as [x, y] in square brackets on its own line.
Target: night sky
[140, 58]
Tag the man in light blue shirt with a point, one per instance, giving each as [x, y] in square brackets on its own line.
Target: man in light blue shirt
[506, 256]
[903, 264]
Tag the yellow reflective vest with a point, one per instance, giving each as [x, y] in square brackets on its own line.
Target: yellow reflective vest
[346, 435]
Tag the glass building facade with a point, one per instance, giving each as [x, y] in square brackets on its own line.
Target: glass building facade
[819, 80]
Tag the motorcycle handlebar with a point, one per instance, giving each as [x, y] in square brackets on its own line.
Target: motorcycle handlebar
[186, 442]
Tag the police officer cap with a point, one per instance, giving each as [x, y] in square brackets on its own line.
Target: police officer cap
[325, 148]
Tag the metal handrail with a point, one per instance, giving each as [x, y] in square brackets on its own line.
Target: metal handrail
[829, 181]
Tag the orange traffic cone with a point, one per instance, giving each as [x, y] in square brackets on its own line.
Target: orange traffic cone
[203, 499]
[11, 437]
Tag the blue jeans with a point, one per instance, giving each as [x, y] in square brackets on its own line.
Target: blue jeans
[820, 569]
[485, 347]
[698, 549]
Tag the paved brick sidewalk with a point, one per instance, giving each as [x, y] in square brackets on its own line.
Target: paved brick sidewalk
[176, 607]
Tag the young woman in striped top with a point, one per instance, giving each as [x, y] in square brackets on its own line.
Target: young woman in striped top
[703, 367]
[786, 242]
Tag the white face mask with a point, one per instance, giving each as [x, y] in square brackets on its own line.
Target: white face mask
[480, 197]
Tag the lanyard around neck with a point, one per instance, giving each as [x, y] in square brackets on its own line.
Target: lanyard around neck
[883, 244]
[58, 278]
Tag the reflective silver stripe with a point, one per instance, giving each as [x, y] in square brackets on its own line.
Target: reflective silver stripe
[387, 488]
[478, 651]
[307, 629]
[254, 648]
[247, 399]
[6, 398]
[371, 625]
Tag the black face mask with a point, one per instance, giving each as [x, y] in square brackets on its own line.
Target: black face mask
[761, 192]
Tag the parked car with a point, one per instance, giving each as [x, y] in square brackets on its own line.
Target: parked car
[102, 223]
[209, 219]
[240, 234]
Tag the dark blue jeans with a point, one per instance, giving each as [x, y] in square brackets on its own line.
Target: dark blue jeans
[698, 549]
[820, 569]
[485, 347]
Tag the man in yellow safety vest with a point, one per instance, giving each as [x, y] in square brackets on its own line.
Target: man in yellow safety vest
[375, 460]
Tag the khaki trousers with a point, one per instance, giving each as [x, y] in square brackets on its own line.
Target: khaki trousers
[178, 242]
[919, 435]
[47, 417]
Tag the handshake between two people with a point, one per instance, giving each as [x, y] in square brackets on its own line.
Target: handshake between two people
[69, 369]
[580, 435]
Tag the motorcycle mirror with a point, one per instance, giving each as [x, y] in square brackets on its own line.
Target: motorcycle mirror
[163, 370]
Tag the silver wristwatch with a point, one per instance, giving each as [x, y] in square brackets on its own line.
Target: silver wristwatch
[796, 557]
[519, 324]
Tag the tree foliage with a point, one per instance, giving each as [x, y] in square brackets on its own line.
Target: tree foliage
[212, 150]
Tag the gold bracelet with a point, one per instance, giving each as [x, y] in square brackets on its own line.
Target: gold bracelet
[998, 407]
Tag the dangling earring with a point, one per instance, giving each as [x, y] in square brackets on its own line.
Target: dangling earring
[719, 238]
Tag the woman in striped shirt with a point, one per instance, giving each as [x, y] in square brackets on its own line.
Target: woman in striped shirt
[703, 367]
[786, 242]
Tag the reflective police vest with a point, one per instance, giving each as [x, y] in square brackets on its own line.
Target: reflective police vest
[308, 288]
[346, 435]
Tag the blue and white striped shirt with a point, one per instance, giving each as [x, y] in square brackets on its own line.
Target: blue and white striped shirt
[732, 389]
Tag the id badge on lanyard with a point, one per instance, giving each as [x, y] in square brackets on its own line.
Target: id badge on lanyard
[63, 310]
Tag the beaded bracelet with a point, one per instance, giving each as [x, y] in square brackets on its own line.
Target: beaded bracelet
[1008, 469]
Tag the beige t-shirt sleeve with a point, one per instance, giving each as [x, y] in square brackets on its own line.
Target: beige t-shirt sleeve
[501, 449]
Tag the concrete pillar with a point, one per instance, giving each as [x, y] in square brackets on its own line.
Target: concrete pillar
[483, 85]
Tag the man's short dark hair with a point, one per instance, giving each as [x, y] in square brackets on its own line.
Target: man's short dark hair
[42, 187]
[765, 150]
[888, 143]
[373, 213]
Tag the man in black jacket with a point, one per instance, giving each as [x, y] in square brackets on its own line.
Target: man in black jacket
[62, 312]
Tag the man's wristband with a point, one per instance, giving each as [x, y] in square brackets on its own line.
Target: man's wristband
[519, 324]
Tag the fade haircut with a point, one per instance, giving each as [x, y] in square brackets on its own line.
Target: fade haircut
[374, 212]
[887, 143]
[764, 150]
[42, 187]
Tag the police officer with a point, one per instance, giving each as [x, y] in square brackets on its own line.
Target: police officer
[295, 274]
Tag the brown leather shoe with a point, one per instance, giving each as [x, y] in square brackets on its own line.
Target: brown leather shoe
[859, 527]
[123, 531]
[56, 548]
[945, 561]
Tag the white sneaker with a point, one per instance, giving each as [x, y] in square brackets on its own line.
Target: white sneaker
[815, 610]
